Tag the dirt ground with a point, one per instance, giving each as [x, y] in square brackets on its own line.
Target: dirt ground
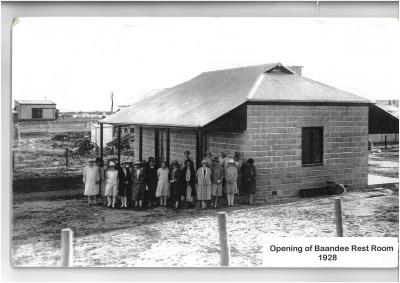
[187, 237]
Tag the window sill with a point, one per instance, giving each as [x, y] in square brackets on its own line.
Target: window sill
[313, 164]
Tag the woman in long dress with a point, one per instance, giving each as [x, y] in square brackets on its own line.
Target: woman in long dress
[124, 184]
[249, 179]
[102, 183]
[91, 179]
[189, 182]
[151, 182]
[230, 181]
[163, 184]
[239, 166]
[217, 175]
[177, 186]
[111, 185]
[204, 184]
[138, 184]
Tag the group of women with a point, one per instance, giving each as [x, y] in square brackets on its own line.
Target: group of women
[144, 184]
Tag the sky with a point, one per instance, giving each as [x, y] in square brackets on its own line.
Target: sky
[78, 62]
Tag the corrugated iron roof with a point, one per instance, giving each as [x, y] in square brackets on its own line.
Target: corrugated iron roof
[35, 102]
[208, 96]
[391, 110]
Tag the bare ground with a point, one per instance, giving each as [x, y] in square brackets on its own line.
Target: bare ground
[164, 237]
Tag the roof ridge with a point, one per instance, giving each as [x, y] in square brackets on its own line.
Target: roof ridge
[244, 67]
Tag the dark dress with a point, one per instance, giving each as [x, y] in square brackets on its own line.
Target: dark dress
[192, 181]
[249, 179]
[177, 186]
[138, 185]
[151, 180]
[124, 188]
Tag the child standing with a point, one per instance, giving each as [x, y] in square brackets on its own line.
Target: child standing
[230, 181]
[217, 175]
[91, 179]
[163, 184]
[111, 190]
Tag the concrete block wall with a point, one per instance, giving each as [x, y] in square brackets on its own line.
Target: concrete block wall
[181, 140]
[148, 143]
[274, 142]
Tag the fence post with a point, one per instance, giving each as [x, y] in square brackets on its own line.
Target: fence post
[66, 157]
[385, 141]
[67, 247]
[338, 217]
[223, 239]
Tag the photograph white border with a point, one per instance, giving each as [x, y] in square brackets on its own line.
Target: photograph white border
[11, 9]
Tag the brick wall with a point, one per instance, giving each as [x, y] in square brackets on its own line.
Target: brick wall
[274, 141]
[148, 143]
[182, 140]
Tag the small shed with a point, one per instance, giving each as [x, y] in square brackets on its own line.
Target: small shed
[383, 123]
[35, 110]
[300, 132]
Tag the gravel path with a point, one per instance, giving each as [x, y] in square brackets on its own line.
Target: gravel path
[164, 237]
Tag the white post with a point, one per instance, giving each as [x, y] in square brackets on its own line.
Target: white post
[223, 239]
[67, 247]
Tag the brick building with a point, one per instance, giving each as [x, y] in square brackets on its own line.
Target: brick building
[301, 133]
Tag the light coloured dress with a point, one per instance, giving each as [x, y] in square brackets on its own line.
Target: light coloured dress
[203, 184]
[163, 183]
[91, 177]
[230, 179]
[111, 183]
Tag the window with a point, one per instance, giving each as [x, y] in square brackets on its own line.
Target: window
[37, 113]
[312, 145]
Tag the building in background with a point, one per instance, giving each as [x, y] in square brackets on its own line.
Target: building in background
[300, 133]
[384, 121]
[35, 110]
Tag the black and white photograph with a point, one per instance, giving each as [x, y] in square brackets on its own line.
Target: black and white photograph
[184, 141]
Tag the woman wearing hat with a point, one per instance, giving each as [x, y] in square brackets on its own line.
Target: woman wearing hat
[91, 179]
[151, 182]
[189, 181]
[249, 179]
[230, 181]
[208, 158]
[217, 175]
[111, 185]
[176, 184]
[138, 184]
[124, 184]
[163, 184]
[102, 183]
[239, 166]
[204, 184]
[186, 157]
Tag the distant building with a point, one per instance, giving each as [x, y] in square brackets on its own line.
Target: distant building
[35, 110]
[392, 102]
[384, 121]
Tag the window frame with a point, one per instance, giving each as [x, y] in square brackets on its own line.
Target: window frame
[40, 110]
[311, 147]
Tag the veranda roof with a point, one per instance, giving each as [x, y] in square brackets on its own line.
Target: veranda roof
[208, 96]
